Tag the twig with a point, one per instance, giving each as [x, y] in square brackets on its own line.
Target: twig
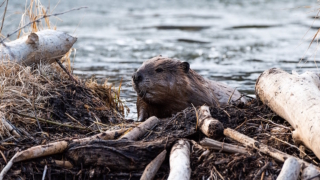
[4, 15]
[44, 172]
[218, 172]
[293, 146]
[262, 170]
[266, 120]
[34, 108]
[2, 2]
[4, 158]
[52, 122]
[65, 70]
[38, 20]
[231, 95]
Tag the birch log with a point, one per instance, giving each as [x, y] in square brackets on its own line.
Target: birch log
[296, 98]
[310, 172]
[209, 126]
[153, 167]
[290, 170]
[180, 161]
[43, 46]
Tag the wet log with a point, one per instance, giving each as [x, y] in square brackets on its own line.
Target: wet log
[221, 146]
[296, 99]
[247, 141]
[44, 46]
[310, 172]
[180, 161]
[290, 170]
[153, 167]
[141, 129]
[208, 125]
[118, 155]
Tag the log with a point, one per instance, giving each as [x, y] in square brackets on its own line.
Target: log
[290, 170]
[247, 141]
[225, 147]
[140, 130]
[180, 161]
[209, 126]
[51, 148]
[309, 173]
[153, 167]
[44, 46]
[118, 155]
[296, 99]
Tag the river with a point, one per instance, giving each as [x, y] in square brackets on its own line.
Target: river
[228, 40]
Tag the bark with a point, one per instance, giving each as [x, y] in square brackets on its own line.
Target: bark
[140, 130]
[153, 167]
[290, 170]
[43, 46]
[296, 99]
[221, 146]
[180, 161]
[247, 141]
[209, 126]
[310, 172]
[52, 148]
[118, 155]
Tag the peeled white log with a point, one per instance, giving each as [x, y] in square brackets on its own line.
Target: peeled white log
[44, 46]
[208, 125]
[180, 161]
[290, 170]
[225, 147]
[270, 151]
[153, 167]
[296, 98]
[140, 130]
[310, 172]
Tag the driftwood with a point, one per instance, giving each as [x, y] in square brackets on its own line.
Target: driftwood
[247, 141]
[180, 161]
[290, 170]
[153, 166]
[221, 146]
[52, 148]
[43, 46]
[209, 126]
[310, 173]
[295, 98]
[140, 130]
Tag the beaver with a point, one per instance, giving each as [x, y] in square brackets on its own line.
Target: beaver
[166, 86]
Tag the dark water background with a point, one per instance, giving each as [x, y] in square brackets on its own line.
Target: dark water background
[228, 40]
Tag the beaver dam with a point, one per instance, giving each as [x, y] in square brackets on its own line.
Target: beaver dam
[84, 122]
[54, 125]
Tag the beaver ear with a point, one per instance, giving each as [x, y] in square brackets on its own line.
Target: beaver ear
[185, 66]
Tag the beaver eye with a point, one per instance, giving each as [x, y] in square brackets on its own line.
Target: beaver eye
[158, 70]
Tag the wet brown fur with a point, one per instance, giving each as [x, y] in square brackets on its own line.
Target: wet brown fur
[164, 93]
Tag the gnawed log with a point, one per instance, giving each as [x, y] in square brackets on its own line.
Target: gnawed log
[52, 148]
[209, 126]
[44, 46]
[180, 161]
[309, 173]
[153, 167]
[290, 170]
[221, 146]
[141, 129]
[247, 141]
[118, 155]
[296, 99]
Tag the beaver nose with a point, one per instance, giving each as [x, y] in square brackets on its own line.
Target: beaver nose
[137, 77]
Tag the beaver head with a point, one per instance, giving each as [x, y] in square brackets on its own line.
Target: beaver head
[157, 80]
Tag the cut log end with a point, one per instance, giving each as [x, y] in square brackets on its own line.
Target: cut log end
[208, 125]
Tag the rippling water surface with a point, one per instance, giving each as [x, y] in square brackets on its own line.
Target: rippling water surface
[228, 40]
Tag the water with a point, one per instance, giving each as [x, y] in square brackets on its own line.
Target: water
[227, 40]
